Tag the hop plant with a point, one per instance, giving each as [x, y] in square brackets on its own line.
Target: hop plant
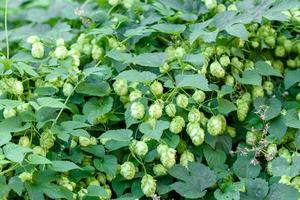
[25, 177]
[196, 133]
[9, 112]
[68, 89]
[194, 115]
[186, 157]
[137, 110]
[47, 139]
[210, 4]
[251, 138]
[215, 125]
[60, 52]
[177, 124]
[156, 88]
[242, 110]
[148, 185]
[84, 141]
[159, 170]
[120, 87]
[216, 70]
[170, 110]
[198, 96]
[37, 50]
[182, 100]
[257, 91]
[139, 148]
[97, 52]
[224, 60]
[155, 110]
[24, 141]
[168, 158]
[135, 95]
[127, 170]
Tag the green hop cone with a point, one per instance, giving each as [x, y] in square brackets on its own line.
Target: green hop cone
[47, 139]
[137, 110]
[135, 95]
[9, 112]
[60, 52]
[156, 88]
[210, 4]
[251, 138]
[23, 107]
[231, 131]
[182, 100]
[196, 133]
[162, 148]
[246, 97]
[216, 70]
[68, 89]
[25, 177]
[285, 180]
[168, 158]
[182, 146]
[24, 141]
[229, 80]
[198, 96]
[179, 52]
[33, 39]
[148, 185]
[242, 111]
[97, 52]
[215, 125]
[171, 110]
[159, 170]
[298, 97]
[164, 68]
[280, 51]
[283, 152]
[296, 183]
[127, 170]
[155, 110]
[186, 157]
[17, 88]
[39, 151]
[224, 60]
[177, 124]
[139, 148]
[268, 87]
[270, 41]
[271, 151]
[194, 115]
[37, 50]
[84, 141]
[269, 168]
[120, 87]
[113, 2]
[257, 91]
[128, 3]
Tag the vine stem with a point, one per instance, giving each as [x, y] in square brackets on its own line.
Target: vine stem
[6, 29]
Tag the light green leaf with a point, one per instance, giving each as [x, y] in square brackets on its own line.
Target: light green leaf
[15, 152]
[63, 166]
[94, 89]
[38, 160]
[249, 77]
[169, 28]
[137, 76]
[291, 78]
[243, 168]
[107, 164]
[50, 102]
[195, 81]
[291, 119]
[155, 132]
[214, 157]
[97, 191]
[155, 59]
[225, 106]
[237, 30]
[280, 191]
[265, 69]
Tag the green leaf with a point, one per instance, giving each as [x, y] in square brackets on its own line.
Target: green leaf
[281, 167]
[291, 119]
[38, 160]
[5, 138]
[297, 140]
[277, 128]
[96, 150]
[225, 106]
[282, 192]
[57, 191]
[169, 28]
[23, 67]
[237, 30]
[196, 60]
[94, 89]
[95, 108]
[118, 135]
[271, 107]
[63, 166]
[243, 168]
[291, 78]
[265, 69]
[193, 181]
[255, 189]
[119, 56]
[50, 102]
[137, 76]
[214, 157]
[34, 191]
[97, 191]
[155, 132]
[195, 81]
[107, 164]
[249, 77]
[16, 185]
[155, 59]
[15, 152]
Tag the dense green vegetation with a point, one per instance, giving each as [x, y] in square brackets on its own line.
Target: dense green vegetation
[150, 99]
